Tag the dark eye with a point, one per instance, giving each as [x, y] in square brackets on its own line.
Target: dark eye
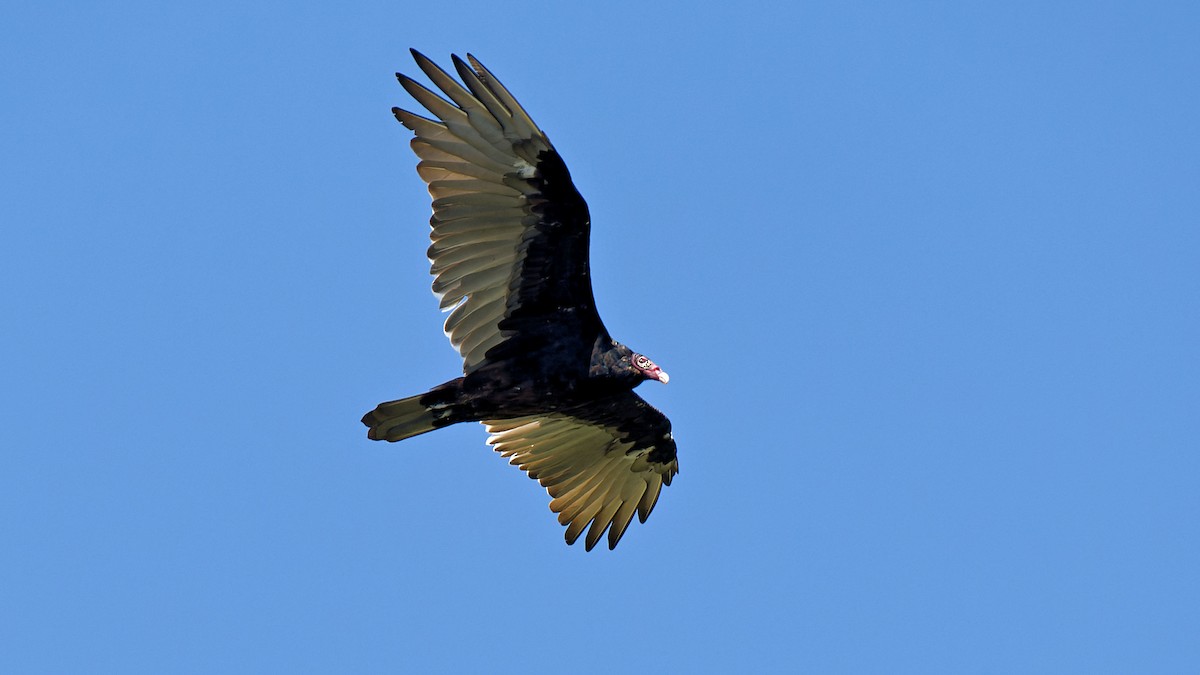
[641, 361]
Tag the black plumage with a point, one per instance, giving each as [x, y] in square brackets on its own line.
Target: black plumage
[510, 260]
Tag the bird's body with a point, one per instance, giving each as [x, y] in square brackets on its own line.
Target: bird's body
[510, 259]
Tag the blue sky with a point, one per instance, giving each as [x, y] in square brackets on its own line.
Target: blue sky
[924, 276]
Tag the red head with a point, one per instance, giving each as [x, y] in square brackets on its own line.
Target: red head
[649, 369]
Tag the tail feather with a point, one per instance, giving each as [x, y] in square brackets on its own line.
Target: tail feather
[398, 420]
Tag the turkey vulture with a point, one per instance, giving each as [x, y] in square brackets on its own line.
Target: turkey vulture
[510, 261]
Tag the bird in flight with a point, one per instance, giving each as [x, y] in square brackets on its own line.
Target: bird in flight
[510, 263]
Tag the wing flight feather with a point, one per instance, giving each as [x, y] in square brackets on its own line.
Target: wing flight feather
[487, 167]
[600, 463]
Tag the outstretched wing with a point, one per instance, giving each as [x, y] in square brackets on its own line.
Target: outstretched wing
[600, 462]
[510, 231]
